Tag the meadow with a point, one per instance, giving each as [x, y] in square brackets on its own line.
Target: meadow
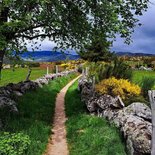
[139, 77]
[10, 76]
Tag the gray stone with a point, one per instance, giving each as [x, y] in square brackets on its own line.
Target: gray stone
[139, 109]
[134, 120]
[6, 102]
[17, 93]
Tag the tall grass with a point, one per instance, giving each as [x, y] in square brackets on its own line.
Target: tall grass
[36, 114]
[145, 79]
[89, 135]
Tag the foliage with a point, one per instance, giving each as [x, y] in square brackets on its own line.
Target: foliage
[96, 69]
[138, 77]
[147, 83]
[146, 80]
[71, 23]
[36, 114]
[33, 64]
[118, 69]
[139, 98]
[68, 66]
[121, 87]
[14, 143]
[97, 51]
[102, 70]
[86, 134]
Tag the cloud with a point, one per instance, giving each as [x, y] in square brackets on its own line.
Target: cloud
[143, 37]
[46, 45]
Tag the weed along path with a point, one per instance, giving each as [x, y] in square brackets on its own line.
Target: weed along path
[57, 144]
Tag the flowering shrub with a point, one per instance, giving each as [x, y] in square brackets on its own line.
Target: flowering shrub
[121, 87]
[68, 66]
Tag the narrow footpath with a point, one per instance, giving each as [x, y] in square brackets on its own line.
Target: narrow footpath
[57, 144]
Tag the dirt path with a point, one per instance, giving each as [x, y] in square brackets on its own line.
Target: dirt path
[57, 144]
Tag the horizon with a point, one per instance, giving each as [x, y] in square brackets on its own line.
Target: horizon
[73, 52]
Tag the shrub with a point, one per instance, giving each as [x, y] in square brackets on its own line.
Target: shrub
[96, 69]
[121, 87]
[13, 143]
[147, 84]
[79, 68]
[102, 70]
[118, 69]
[34, 64]
[139, 98]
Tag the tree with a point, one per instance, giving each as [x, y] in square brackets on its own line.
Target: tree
[70, 23]
[98, 50]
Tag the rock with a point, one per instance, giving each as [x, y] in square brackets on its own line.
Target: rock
[85, 86]
[16, 90]
[17, 93]
[86, 94]
[106, 101]
[6, 102]
[38, 83]
[140, 110]
[137, 131]
[134, 120]
[5, 92]
[84, 82]
[91, 105]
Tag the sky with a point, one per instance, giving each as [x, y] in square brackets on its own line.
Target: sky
[143, 38]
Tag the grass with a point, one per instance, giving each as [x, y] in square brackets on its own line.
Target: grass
[10, 76]
[89, 135]
[138, 76]
[36, 114]
[145, 79]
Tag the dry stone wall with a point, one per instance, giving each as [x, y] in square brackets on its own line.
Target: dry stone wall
[11, 91]
[134, 120]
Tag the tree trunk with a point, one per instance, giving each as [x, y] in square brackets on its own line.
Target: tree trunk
[2, 52]
[152, 102]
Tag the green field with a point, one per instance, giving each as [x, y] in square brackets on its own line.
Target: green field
[86, 134]
[139, 76]
[10, 76]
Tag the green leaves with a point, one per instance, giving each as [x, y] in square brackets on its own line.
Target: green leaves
[68, 23]
[13, 143]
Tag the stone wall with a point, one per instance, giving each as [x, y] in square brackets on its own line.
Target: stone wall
[11, 91]
[134, 120]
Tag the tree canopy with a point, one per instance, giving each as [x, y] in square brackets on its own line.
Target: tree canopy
[70, 23]
[98, 50]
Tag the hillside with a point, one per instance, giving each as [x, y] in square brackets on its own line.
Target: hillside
[47, 56]
[133, 54]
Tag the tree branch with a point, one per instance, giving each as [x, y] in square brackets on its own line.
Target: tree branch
[36, 36]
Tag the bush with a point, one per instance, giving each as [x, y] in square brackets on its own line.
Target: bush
[96, 69]
[119, 70]
[79, 68]
[102, 70]
[147, 84]
[121, 87]
[13, 143]
[36, 64]
[139, 98]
